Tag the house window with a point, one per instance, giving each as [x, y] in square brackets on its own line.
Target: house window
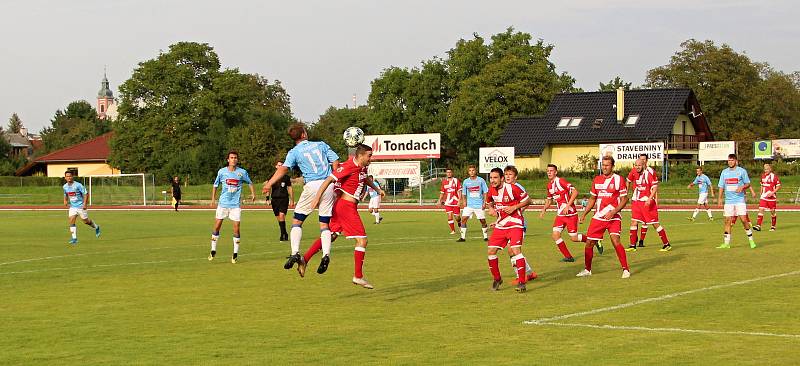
[102, 108]
[564, 122]
[575, 122]
[569, 122]
[631, 121]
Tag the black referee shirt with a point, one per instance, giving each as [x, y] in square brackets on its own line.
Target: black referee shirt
[281, 188]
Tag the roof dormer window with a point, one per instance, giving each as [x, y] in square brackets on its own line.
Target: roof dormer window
[564, 122]
[631, 121]
[569, 122]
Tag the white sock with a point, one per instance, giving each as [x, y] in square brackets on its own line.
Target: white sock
[295, 236]
[73, 231]
[708, 211]
[695, 212]
[325, 237]
[463, 232]
[485, 232]
[528, 268]
[236, 244]
[727, 239]
[214, 242]
[377, 216]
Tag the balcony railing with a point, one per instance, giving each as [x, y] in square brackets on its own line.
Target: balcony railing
[682, 142]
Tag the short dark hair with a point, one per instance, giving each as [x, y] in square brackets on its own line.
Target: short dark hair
[362, 149]
[552, 166]
[67, 172]
[296, 130]
[472, 166]
[701, 168]
[497, 170]
[446, 169]
[610, 158]
[511, 168]
[732, 156]
[234, 152]
[643, 155]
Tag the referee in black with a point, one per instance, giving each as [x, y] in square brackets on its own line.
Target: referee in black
[281, 199]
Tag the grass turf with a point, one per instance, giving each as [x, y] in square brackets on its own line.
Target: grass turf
[144, 293]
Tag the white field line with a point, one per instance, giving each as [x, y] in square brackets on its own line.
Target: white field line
[192, 259]
[543, 321]
[679, 330]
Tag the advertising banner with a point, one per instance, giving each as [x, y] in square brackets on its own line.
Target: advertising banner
[398, 147]
[494, 157]
[715, 150]
[629, 152]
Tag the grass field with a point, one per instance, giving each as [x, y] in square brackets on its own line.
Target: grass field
[144, 293]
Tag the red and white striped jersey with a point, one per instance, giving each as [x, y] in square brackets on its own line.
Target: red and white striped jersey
[505, 196]
[643, 183]
[769, 182]
[350, 178]
[609, 191]
[451, 187]
[559, 190]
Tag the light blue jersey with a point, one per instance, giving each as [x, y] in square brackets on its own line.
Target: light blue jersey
[75, 194]
[730, 180]
[474, 189]
[314, 159]
[702, 182]
[231, 182]
[373, 193]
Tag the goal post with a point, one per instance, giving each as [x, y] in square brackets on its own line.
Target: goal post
[120, 189]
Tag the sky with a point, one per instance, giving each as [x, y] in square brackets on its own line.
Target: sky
[323, 52]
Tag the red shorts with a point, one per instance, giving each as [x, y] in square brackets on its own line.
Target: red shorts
[644, 213]
[598, 227]
[346, 220]
[569, 222]
[454, 209]
[502, 238]
[768, 204]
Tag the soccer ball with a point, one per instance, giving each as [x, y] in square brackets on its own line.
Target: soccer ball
[353, 136]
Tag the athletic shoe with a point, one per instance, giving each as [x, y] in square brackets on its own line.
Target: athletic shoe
[641, 243]
[690, 219]
[485, 238]
[362, 282]
[496, 284]
[380, 219]
[73, 241]
[211, 255]
[521, 287]
[234, 260]
[724, 246]
[460, 240]
[570, 259]
[665, 248]
[772, 229]
[600, 247]
[284, 237]
[752, 243]
[323, 264]
[452, 233]
[301, 267]
[292, 259]
[631, 248]
[531, 276]
[97, 231]
[584, 273]
[757, 227]
[626, 273]
[710, 219]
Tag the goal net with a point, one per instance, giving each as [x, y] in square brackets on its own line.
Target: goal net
[121, 189]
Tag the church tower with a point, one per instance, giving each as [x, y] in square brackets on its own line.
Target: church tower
[105, 99]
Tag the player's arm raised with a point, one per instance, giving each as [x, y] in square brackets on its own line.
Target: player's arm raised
[279, 173]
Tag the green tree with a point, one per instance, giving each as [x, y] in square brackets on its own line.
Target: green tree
[74, 124]
[615, 84]
[14, 123]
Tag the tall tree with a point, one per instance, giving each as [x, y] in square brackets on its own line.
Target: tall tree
[74, 124]
[615, 84]
[14, 123]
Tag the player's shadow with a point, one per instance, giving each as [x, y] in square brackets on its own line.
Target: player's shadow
[433, 285]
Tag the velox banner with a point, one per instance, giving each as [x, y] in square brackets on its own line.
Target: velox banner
[398, 169]
[762, 149]
[630, 151]
[494, 157]
[786, 148]
[716, 150]
[416, 146]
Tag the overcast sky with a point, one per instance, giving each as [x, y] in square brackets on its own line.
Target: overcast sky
[325, 51]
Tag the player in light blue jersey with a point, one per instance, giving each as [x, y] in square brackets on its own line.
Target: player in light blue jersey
[75, 198]
[473, 201]
[374, 199]
[230, 179]
[703, 184]
[733, 184]
[316, 160]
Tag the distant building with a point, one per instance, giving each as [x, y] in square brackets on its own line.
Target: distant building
[86, 158]
[106, 106]
[23, 144]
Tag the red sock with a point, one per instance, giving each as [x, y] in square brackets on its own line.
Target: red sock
[774, 220]
[644, 232]
[358, 256]
[495, 269]
[663, 234]
[316, 247]
[452, 225]
[521, 276]
[582, 238]
[588, 252]
[633, 235]
[623, 259]
[761, 219]
[563, 248]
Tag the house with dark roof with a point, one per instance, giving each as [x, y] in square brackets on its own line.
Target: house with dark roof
[86, 158]
[577, 123]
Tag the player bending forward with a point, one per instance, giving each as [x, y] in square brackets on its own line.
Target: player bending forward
[350, 178]
[610, 194]
[506, 202]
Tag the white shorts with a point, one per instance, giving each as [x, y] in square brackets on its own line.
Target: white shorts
[78, 212]
[235, 214]
[375, 202]
[735, 209]
[702, 198]
[310, 190]
[468, 211]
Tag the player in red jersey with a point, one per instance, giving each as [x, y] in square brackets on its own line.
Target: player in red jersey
[644, 185]
[560, 191]
[636, 209]
[770, 185]
[610, 194]
[450, 197]
[506, 202]
[350, 178]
